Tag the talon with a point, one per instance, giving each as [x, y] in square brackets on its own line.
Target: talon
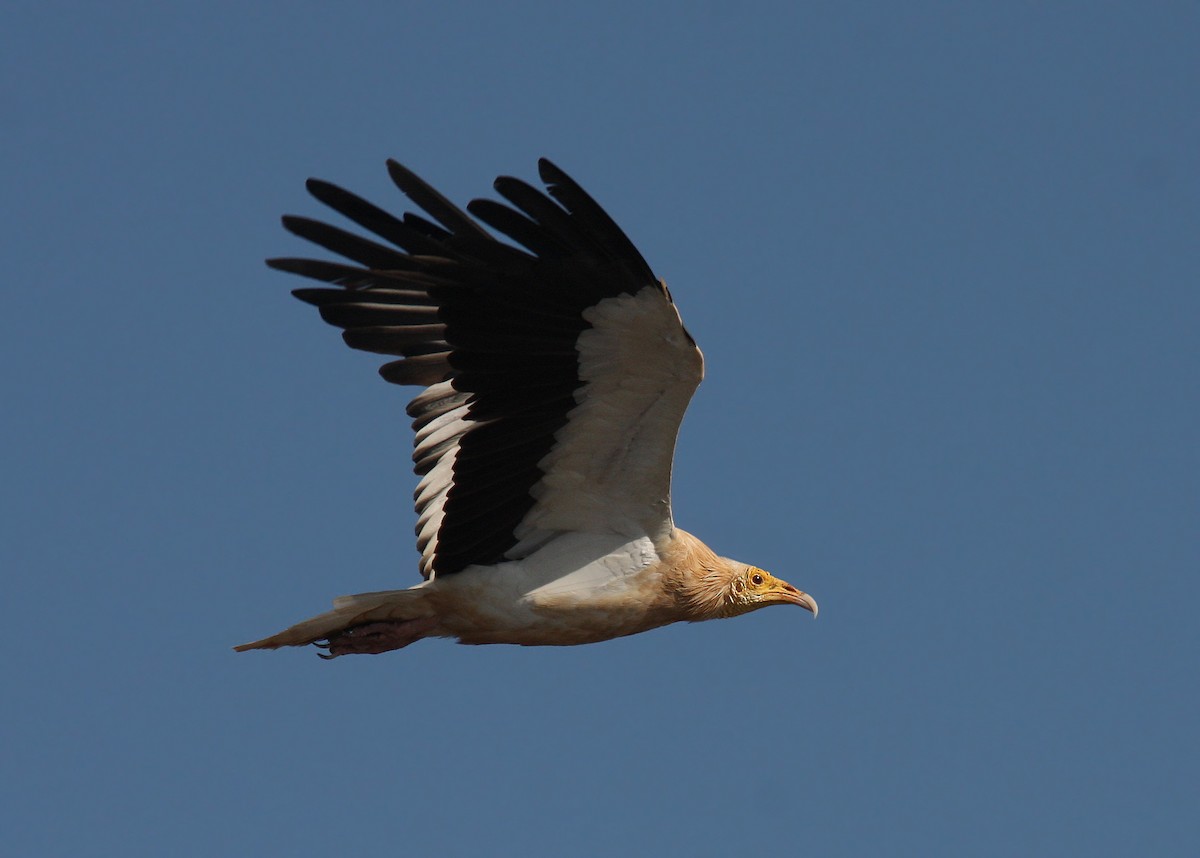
[375, 637]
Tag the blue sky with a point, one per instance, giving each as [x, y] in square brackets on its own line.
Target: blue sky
[943, 262]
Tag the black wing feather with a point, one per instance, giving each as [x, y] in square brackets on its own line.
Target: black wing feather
[488, 328]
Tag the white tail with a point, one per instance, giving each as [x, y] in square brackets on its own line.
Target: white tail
[350, 611]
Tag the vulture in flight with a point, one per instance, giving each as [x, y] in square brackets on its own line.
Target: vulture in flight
[553, 371]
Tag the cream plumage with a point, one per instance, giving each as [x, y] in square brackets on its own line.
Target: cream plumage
[556, 374]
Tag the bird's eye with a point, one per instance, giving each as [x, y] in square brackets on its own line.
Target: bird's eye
[756, 579]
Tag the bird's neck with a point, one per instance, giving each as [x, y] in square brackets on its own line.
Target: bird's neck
[697, 577]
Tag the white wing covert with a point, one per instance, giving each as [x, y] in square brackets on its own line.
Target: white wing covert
[556, 374]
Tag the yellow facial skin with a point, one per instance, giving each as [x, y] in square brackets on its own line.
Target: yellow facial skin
[756, 588]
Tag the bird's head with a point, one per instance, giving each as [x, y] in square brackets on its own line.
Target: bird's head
[730, 588]
[751, 588]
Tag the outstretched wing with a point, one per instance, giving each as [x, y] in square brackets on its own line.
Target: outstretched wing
[556, 373]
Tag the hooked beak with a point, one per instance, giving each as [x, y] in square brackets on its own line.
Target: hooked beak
[798, 597]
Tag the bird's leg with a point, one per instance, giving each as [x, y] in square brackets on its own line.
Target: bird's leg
[376, 637]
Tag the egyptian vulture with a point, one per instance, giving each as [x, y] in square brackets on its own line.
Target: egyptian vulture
[555, 372]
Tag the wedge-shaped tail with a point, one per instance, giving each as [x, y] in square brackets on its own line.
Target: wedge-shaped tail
[349, 612]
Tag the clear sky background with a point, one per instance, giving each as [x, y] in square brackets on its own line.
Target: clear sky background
[944, 262]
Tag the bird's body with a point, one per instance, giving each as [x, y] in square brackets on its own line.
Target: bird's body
[555, 376]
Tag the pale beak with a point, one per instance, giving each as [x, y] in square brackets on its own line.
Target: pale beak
[797, 597]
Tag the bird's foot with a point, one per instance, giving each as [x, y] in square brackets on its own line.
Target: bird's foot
[376, 637]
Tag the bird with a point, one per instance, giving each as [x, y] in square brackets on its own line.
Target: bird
[555, 371]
